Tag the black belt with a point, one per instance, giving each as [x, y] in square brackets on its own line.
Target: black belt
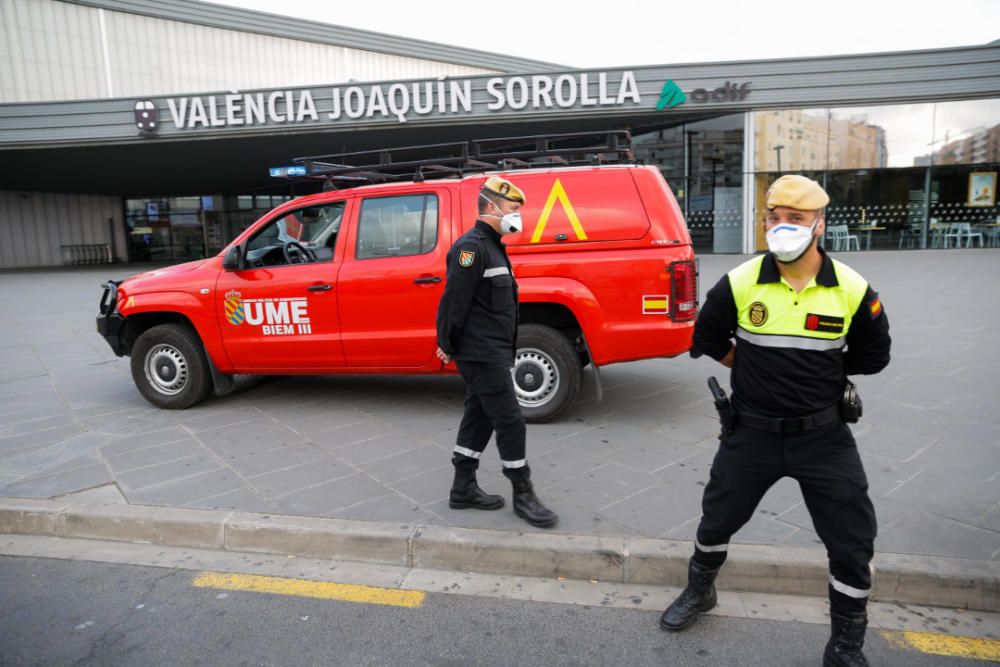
[789, 425]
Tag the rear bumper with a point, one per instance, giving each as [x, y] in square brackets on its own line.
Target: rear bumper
[643, 340]
[109, 321]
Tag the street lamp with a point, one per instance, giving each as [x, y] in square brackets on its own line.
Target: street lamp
[777, 150]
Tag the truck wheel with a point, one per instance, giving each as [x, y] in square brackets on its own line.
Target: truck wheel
[547, 372]
[169, 367]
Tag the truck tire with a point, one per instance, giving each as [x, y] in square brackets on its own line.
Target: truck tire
[169, 367]
[547, 372]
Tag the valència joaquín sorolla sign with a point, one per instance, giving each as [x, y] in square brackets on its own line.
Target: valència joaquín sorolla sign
[400, 102]
[404, 101]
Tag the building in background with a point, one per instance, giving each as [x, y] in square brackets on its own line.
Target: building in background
[981, 145]
[144, 131]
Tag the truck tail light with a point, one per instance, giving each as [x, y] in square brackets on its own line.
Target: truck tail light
[683, 290]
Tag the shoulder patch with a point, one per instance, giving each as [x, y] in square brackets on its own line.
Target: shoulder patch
[466, 258]
[875, 307]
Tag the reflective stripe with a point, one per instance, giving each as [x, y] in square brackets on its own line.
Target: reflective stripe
[514, 464]
[849, 591]
[467, 452]
[718, 547]
[797, 342]
[499, 271]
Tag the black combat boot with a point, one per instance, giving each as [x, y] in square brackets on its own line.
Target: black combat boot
[465, 493]
[698, 597]
[847, 637]
[528, 507]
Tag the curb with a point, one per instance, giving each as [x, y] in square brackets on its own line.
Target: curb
[911, 579]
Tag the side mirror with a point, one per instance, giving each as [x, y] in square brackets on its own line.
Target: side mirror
[233, 261]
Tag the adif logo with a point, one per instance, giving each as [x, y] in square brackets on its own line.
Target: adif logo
[234, 308]
[275, 317]
[147, 117]
[670, 96]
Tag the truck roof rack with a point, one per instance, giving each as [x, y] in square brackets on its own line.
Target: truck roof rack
[419, 163]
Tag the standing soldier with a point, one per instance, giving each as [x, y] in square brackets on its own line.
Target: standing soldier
[802, 322]
[477, 327]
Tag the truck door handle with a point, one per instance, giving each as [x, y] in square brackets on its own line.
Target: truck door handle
[325, 287]
[430, 279]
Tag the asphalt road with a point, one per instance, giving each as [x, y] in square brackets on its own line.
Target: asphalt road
[61, 612]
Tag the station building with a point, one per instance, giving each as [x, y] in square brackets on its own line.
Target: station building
[145, 131]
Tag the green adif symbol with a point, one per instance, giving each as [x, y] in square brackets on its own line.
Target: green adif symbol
[670, 96]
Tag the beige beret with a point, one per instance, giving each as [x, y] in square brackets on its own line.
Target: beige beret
[798, 192]
[504, 188]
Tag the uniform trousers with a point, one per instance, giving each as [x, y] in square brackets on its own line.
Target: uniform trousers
[825, 463]
[491, 405]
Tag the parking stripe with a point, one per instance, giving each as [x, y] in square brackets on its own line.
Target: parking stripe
[310, 589]
[938, 644]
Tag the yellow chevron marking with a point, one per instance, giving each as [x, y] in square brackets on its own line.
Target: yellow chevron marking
[558, 192]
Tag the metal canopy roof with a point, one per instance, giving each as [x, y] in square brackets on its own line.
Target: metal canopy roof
[238, 164]
[246, 20]
[92, 146]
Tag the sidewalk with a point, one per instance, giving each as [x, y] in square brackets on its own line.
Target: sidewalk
[377, 449]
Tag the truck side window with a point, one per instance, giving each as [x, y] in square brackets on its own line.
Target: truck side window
[397, 226]
[314, 227]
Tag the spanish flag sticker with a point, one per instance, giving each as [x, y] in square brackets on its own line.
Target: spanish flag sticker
[655, 304]
[876, 307]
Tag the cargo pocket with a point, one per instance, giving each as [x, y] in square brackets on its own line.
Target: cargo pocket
[501, 293]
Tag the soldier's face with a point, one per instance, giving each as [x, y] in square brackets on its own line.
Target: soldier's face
[506, 206]
[793, 216]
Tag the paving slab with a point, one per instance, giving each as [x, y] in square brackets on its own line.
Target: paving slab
[131, 460]
[321, 499]
[280, 458]
[282, 482]
[50, 486]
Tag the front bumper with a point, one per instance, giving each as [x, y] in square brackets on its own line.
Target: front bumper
[109, 321]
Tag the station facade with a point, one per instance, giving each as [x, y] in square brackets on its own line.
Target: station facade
[145, 131]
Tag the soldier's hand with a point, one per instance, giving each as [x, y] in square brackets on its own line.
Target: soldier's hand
[727, 360]
[443, 356]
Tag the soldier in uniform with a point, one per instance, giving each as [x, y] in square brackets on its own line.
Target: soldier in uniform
[477, 327]
[802, 322]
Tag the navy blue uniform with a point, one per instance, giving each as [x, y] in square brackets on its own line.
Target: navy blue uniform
[477, 325]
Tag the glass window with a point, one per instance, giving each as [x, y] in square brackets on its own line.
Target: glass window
[397, 226]
[184, 204]
[714, 202]
[315, 228]
[703, 164]
[967, 132]
[793, 140]
[875, 137]
[899, 176]
[266, 202]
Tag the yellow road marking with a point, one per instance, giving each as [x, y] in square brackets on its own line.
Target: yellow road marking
[310, 589]
[938, 644]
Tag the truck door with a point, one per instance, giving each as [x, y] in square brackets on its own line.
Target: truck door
[392, 278]
[280, 312]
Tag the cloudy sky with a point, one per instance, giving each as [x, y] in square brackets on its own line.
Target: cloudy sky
[630, 32]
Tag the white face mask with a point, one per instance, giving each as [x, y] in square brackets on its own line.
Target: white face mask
[510, 223]
[788, 242]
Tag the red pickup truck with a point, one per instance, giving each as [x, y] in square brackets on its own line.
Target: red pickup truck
[348, 281]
